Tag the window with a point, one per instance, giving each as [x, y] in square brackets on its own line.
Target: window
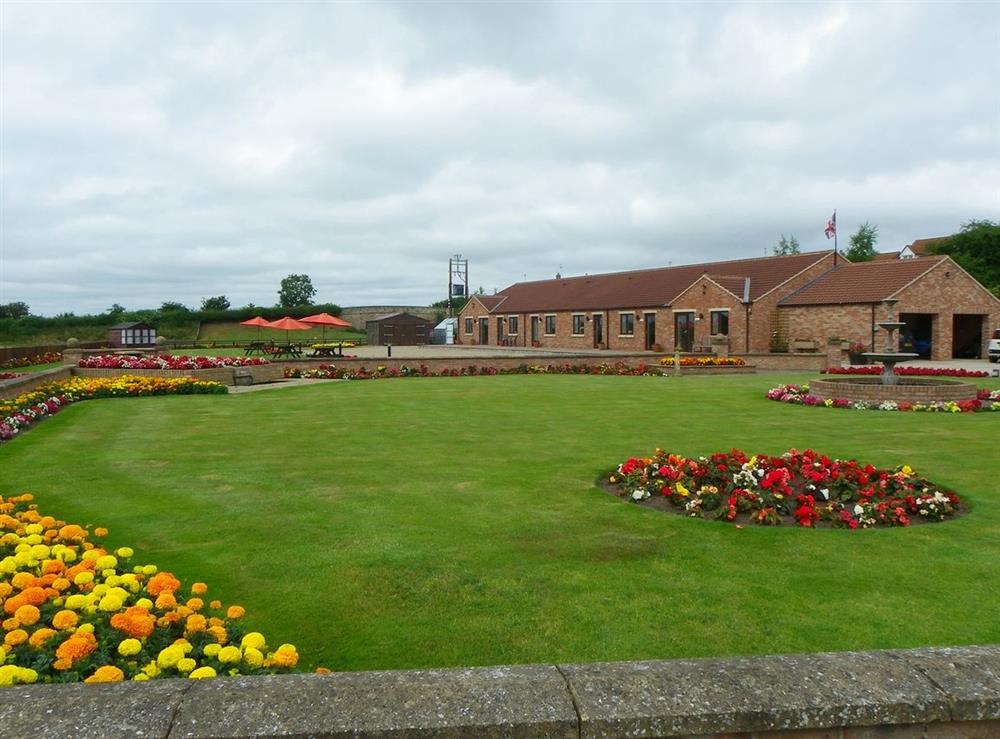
[578, 321]
[550, 325]
[626, 324]
[720, 322]
[468, 325]
[512, 325]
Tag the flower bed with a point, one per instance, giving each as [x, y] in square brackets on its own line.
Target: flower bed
[74, 611]
[986, 400]
[806, 488]
[167, 362]
[906, 371]
[26, 409]
[10, 375]
[332, 372]
[705, 362]
[46, 358]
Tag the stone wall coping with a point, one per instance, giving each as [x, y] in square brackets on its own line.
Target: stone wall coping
[894, 690]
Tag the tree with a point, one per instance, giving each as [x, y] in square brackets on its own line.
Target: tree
[171, 306]
[976, 248]
[219, 302]
[862, 248]
[116, 309]
[787, 246]
[15, 310]
[296, 290]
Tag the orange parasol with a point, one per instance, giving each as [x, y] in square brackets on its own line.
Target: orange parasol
[287, 324]
[324, 320]
[257, 321]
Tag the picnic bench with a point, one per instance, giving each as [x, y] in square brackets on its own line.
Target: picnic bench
[286, 350]
[260, 347]
[330, 350]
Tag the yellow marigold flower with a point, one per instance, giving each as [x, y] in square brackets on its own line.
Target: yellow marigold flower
[253, 657]
[169, 657]
[186, 665]
[83, 578]
[124, 552]
[85, 629]
[211, 650]
[151, 670]
[40, 637]
[20, 636]
[227, 655]
[145, 603]
[202, 673]
[253, 640]
[141, 677]
[236, 612]
[111, 603]
[3, 655]
[106, 674]
[75, 602]
[184, 644]
[199, 588]
[107, 562]
[129, 647]
[149, 570]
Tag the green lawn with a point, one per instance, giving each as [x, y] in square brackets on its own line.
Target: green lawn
[455, 521]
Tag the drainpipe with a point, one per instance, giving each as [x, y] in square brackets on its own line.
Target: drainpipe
[873, 329]
[747, 329]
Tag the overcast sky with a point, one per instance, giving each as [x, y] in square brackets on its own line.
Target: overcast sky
[173, 151]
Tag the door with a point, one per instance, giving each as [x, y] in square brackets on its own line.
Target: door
[650, 330]
[484, 331]
[536, 329]
[684, 331]
[500, 334]
[598, 330]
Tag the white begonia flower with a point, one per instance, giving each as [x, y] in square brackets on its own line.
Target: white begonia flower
[858, 510]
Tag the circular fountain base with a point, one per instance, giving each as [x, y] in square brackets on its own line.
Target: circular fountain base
[910, 389]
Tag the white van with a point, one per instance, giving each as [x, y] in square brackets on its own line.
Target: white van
[993, 352]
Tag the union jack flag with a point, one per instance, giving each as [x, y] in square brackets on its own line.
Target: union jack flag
[831, 226]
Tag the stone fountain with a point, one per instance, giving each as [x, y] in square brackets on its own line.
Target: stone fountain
[891, 356]
[890, 387]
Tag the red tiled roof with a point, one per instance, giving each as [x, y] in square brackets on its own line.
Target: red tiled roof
[735, 284]
[920, 246]
[863, 282]
[490, 301]
[886, 256]
[647, 288]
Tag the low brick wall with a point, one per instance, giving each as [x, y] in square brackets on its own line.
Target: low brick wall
[943, 693]
[873, 391]
[787, 362]
[506, 361]
[31, 380]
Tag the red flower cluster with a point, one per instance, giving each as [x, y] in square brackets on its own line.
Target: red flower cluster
[803, 486]
[907, 371]
[46, 358]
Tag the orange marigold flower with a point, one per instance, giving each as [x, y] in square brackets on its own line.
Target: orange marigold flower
[27, 614]
[162, 581]
[166, 600]
[9, 624]
[195, 604]
[62, 664]
[195, 622]
[322, 670]
[15, 637]
[100, 531]
[52, 567]
[106, 674]
[215, 604]
[218, 633]
[78, 646]
[34, 595]
[60, 584]
[72, 532]
[22, 580]
[199, 588]
[135, 621]
[39, 637]
[236, 612]
[65, 620]
[5, 590]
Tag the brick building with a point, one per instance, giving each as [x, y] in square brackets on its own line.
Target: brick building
[742, 306]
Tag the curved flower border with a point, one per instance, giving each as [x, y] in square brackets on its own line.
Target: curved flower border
[72, 610]
[986, 400]
[332, 372]
[28, 408]
[906, 371]
[167, 362]
[805, 487]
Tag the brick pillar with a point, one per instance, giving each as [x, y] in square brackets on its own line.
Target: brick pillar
[835, 350]
[720, 346]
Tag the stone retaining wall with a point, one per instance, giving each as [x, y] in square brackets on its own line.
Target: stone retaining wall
[787, 362]
[225, 375]
[31, 380]
[874, 391]
[940, 692]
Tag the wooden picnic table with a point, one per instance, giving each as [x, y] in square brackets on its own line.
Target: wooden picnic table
[330, 350]
[289, 350]
[261, 347]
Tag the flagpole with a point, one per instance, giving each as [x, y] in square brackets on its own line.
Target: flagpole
[835, 247]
